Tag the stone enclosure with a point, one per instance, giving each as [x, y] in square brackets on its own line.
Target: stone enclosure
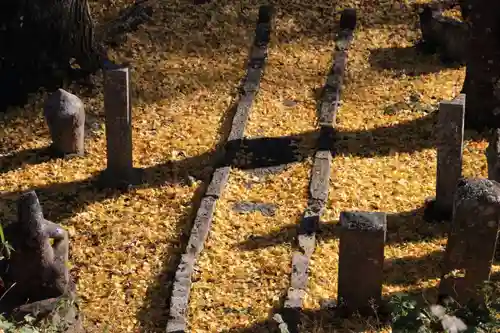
[471, 206]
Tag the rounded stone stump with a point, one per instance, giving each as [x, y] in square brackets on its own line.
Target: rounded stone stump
[65, 116]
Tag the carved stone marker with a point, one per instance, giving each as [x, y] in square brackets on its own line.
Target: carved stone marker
[472, 240]
[37, 278]
[493, 156]
[450, 134]
[117, 107]
[361, 261]
[65, 116]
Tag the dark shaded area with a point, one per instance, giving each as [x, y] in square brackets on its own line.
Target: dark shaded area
[215, 42]
[252, 154]
[408, 271]
[434, 213]
[411, 61]
[482, 71]
[406, 227]
[73, 196]
[55, 36]
[265, 152]
[26, 157]
[43, 58]
[153, 316]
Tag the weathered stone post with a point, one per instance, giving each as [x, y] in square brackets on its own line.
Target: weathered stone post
[361, 261]
[37, 278]
[493, 156]
[65, 116]
[472, 240]
[117, 107]
[449, 157]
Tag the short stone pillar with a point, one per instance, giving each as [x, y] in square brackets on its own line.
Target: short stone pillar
[65, 116]
[117, 107]
[472, 240]
[493, 156]
[450, 132]
[361, 261]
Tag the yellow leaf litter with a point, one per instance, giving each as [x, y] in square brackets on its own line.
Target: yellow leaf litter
[186, 65]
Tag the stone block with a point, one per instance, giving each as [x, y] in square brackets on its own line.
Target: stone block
[361, 261]
[65, 117]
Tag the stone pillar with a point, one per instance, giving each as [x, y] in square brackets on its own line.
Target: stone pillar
[361, 261]
[65, 116]
[450, 135]
[493, 156]
[472, 240]
[117, 108]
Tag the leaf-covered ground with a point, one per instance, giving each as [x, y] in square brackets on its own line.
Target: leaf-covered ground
[186, 65]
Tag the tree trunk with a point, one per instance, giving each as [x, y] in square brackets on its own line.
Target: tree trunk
[482, 80]
[38, 38]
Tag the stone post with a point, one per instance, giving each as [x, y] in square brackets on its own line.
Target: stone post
[493, 156]
[117, 107]
[65, 117]
[450, 135]
[472, 240]
[361, 261]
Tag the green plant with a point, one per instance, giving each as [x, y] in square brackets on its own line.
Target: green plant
[408, 315]
[6, 248]
[25, 327]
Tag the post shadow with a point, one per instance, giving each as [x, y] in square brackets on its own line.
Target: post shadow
[405, 227]
[153, 315]
[409, 270]
[25, 157]
[409, 61]
[74, 196]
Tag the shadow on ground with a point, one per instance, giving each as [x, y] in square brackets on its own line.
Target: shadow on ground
[15, 161]
[407, 61]
[152, 316]
[253, 153]
[406, 227]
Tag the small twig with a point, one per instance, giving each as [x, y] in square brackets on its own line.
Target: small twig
[5, 293]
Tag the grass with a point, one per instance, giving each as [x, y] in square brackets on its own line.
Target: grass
[186, 66]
